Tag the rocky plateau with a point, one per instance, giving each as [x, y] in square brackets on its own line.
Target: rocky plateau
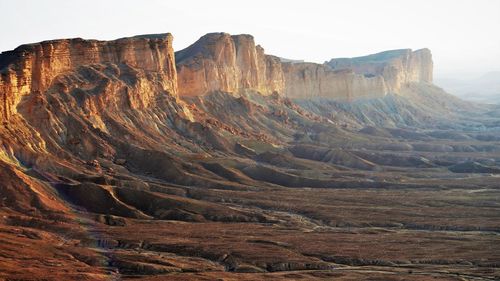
[126, 160]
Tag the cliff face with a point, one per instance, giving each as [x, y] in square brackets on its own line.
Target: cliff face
[80, 99]
[396, 67]
[98, 160]
[310, 80]
[33, 68]
[145, 67]
[221, 62]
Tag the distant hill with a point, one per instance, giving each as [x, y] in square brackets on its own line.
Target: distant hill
[483, 89]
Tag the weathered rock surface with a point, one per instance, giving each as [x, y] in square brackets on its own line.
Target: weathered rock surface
[32, 68]
[396, 67]
[84, 96]
[108, 171]
[221, 62]
[311, 80]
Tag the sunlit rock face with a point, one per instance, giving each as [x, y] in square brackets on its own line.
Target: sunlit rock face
[310, 80]
[398, 68]
[221, 62]
[74, 95]
[32, 68]
[233, 63]
[109, 171]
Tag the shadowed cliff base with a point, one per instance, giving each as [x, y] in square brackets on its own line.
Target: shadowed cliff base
[123, 160]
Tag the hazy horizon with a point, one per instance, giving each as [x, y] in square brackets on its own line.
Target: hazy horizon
[459, 33]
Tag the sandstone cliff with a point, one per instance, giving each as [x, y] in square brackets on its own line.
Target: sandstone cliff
[221, 62]
[97, 162]
[32, 68]
[311, 80]
[397, 67]
[86, 97]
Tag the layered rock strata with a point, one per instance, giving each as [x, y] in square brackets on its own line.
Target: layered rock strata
[311, 80]
[221, 62]
[32, 68]
[397, 67]
[216, 62]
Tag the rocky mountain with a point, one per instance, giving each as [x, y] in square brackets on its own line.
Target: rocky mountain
[33, 68]
[221, 62]
[397, 68]
[122, 159]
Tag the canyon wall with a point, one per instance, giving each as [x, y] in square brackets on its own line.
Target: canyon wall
[397, 67]
[32, 68]
[311, 80]
[221, 62]
[216, 62]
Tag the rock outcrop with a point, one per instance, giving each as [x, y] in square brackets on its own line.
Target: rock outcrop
[86, 96]
[397, 67]
[311, 80]
[32, 68]
[51, 92]
[107, 173]
[221, 62]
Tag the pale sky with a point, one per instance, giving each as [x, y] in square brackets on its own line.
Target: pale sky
[463, 35]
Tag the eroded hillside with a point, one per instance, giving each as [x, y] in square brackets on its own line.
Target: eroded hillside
[120, 159]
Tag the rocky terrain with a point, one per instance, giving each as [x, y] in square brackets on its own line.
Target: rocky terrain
[221, 62]
[124, 160]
